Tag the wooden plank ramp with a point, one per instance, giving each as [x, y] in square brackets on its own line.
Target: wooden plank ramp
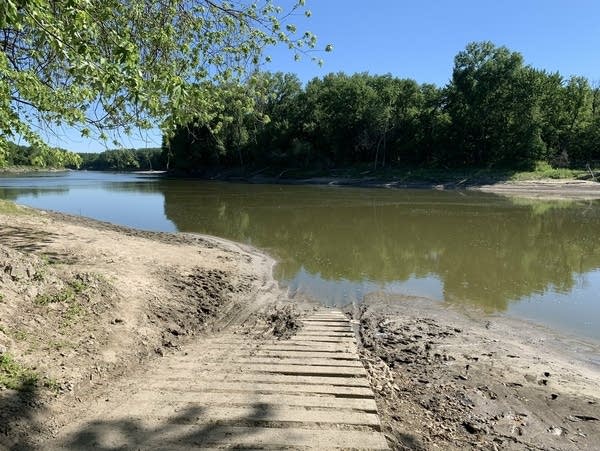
[310, 391]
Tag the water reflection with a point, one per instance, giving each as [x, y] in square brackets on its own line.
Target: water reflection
[128, 199]
[482, 248]
[537, 259]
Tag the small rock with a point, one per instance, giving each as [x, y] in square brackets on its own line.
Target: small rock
[582, 418]
[473, 428]
[554, 430]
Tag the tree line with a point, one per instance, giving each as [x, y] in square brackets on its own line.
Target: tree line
[12, 154]
[496, 111]
[145, 159]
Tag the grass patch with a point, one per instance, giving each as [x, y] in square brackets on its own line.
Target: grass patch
[47, 259]
[437, 175]
[14, 376]
[543, 170]
[78, 286]
[51, 384]
[17, 334]
[10, 208]
[67, 294]
[20, 335]
[74, 311]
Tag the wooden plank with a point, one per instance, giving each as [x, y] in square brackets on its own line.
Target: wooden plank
[341, 391]
[299, 338]
[307, 370]
[312, 334]
[310, 346]
[298, 361]
[263, 377]
[316, 329]
[249, 398]
[188, 412]
[273, 353]
[309, 354]
[199, 436]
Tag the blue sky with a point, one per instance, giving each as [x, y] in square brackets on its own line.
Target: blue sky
[419, 39]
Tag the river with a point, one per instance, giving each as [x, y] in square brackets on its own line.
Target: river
[538, 260]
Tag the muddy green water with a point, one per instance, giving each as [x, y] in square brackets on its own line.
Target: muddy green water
[535, 259]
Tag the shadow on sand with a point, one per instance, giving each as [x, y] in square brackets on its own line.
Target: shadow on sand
[18, 412]
[178, 432]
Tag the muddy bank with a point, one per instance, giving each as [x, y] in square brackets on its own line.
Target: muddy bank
[84, 303]
[445, 380]
[537, 189]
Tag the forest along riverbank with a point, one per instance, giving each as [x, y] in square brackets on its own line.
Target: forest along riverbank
[85, 305]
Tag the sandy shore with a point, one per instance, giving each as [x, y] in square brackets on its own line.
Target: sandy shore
[545, 189]
[86, 303]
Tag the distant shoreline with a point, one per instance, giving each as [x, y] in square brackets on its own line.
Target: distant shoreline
[509, 183]
[543, 188]
[25, 169]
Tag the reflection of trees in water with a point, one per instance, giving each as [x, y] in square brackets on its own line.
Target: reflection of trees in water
[485, 249]
[13, 193]
[135, 185]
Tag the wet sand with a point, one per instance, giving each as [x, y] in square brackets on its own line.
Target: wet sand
[448, 379]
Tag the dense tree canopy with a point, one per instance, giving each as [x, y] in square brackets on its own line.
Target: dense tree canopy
[111, 65]
[495, 112]
[146, 159]
[46, 157]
